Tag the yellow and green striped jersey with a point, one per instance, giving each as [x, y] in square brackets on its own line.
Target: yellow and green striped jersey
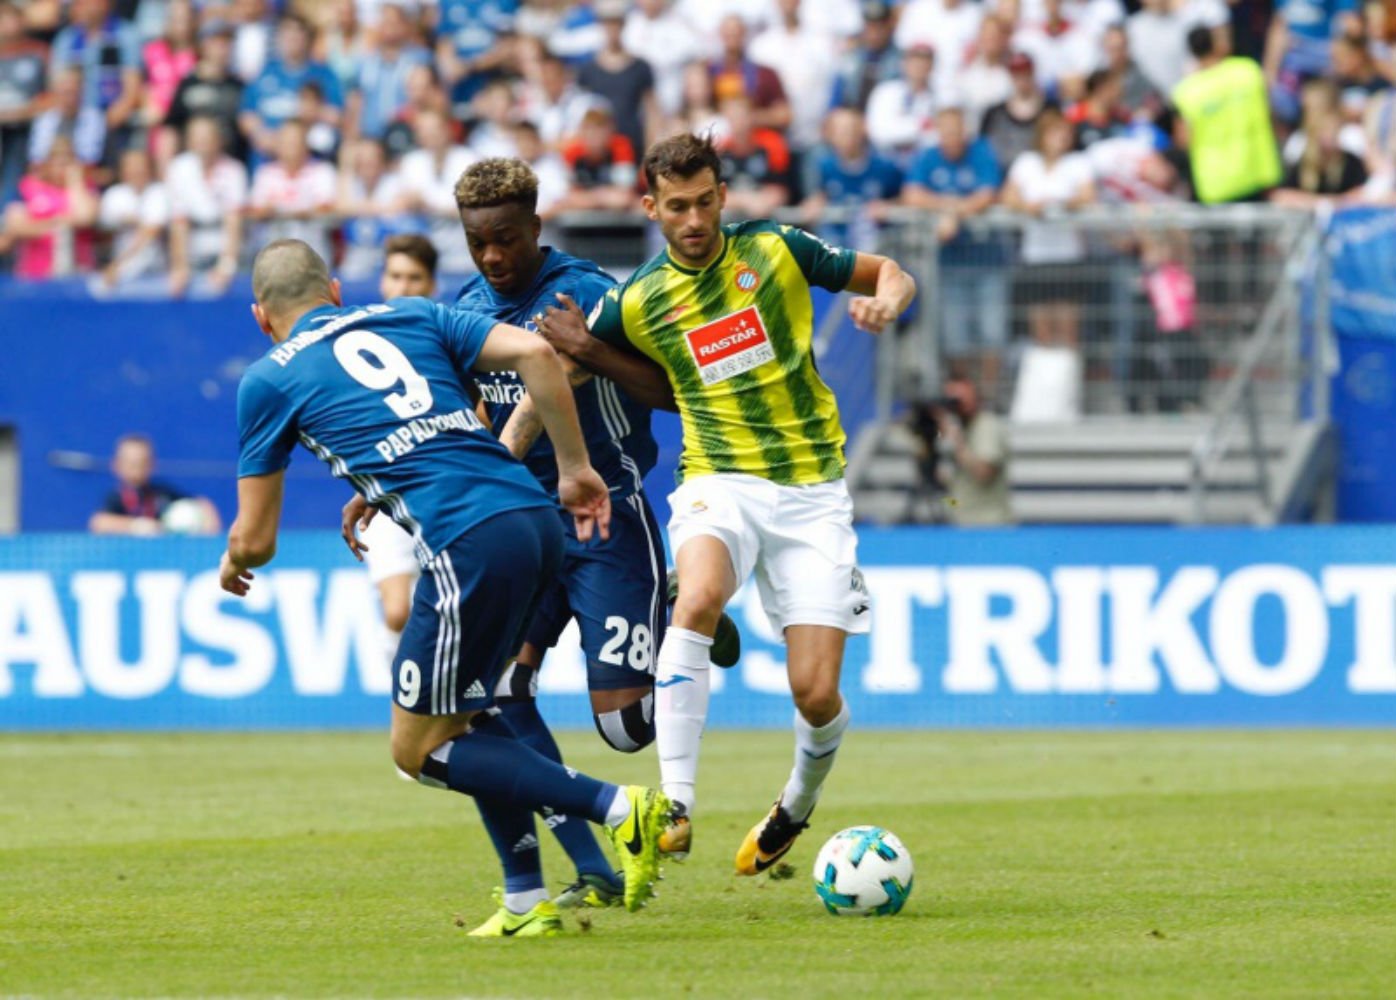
[736, 339]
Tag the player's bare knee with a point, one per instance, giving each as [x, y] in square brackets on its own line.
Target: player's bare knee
[407, 757]
[818, 700]
[698, 608]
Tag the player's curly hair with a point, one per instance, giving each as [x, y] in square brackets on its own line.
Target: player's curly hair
[498, 181]
[681, 156]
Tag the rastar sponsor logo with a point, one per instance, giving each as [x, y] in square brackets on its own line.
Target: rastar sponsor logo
[729, 346]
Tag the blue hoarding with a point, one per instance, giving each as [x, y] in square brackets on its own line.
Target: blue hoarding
[1049, 627]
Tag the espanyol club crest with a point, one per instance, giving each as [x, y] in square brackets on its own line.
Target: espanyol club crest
[747, 279]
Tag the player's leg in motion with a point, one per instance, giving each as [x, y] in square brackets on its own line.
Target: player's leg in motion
[467, 620]
[392, 566]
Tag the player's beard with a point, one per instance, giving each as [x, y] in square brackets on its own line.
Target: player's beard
[684, 247]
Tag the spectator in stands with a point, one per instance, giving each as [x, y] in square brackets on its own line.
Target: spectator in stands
[734, 74]
[341, 42]
[1101, 114]
[379, 90]
[554, 179]
[1157, 35]
[475, 43]
[67, 117]
[973, 442]
[210, 90]
[959, 179]
[848, 176]
[208, 191]
[429, 176]
[555, 103]
[1321, 98]
[1063, 52]
[1139, 99]
[1298, 46]
[135, 211]
[871, 60]
[1379, 134]
[1356, 75]
[698, 113]
[804, 57]
[603, 165]
[1043, 183]
[492, 114]
[624, 81]
[985, 79]
[1325, 171]
[274, 97]
[138, 502]
[50, 227]
[707, 15]
[294, 194]
[1224, 124]
[901, 112]
[948, 26]
[108, 51]
[662, 37]
[169, 59]
[424, 93]
[252, 38]
[373, 205]
[1170, 364]
[321, 137]
[755, 162]
[1009, 127]
[21, 87]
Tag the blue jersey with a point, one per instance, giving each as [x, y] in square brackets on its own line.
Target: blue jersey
[275, 94]
[616, 428]
[376, 393]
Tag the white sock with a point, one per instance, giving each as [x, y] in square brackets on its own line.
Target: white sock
[814, 757]
[619, 809]
[522, 902]
[680, 710]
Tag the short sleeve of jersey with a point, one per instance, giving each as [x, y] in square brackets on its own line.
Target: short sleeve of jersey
[464, 331]
[266, 428]
[606, 321]
[824, 265]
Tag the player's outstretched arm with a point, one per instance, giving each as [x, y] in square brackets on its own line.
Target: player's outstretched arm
[252, 538]
[644, 381]
[580, 489]
[884, 291]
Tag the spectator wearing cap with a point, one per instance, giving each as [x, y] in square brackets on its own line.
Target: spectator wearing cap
[21, 88]
[429, 175]
[135, 212]
[804, 57]
[755, 162]
[274, 97]
[873, 59]
[207, 190]
[1009, 126]
[901, 112]
[660, 35]
[67, 117]
[169, 59]
[50, 226]
[603, 166]
[948, 26]
[475, 43]
[985, 80]
[624, 81]
[736, 74]
[1298, 45]
[848, 176]
[379, 89]
[959, 178]
[1063, 52]
[211, 90]
[108, 51]
[371, 200]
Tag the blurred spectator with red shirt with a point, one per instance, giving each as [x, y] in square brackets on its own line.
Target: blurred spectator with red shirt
[603, 166]
[1100, 114]
[625, 81]
[755, 162]
[735, 75]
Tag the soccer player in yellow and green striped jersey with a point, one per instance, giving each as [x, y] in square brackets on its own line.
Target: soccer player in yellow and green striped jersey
[725, 311]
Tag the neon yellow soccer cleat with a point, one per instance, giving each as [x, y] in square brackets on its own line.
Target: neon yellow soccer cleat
[637, 842]
[541, 921]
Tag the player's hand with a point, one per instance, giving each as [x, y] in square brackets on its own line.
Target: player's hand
[585, 495]
[871, 314]
[233, 578]
[356, 513]
[564, 328]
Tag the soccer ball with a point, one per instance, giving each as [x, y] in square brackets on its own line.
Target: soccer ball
[187, 517]
[864, 870]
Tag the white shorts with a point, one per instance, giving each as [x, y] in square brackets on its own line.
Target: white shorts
[798, 539]
[390, 551]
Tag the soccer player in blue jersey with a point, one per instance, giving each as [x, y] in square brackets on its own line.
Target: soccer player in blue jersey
[377, 393]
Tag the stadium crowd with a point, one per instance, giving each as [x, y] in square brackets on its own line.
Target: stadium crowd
[159, 140]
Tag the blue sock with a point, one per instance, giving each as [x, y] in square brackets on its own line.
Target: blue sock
[490, 761]
[573, 834]
[515, 841]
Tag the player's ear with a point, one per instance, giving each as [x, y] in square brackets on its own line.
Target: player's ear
[336, 296]
[721, 194]
[651, 207]
[537, 227]
[259, 315]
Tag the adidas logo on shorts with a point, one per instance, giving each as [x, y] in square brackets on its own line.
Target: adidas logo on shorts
[476, 690]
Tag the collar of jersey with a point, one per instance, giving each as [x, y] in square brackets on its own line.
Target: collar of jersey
[311, 317]
[668, 252]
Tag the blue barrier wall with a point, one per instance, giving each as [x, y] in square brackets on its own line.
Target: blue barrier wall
[1094, 628]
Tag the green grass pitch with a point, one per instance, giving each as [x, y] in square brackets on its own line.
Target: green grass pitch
[1198, 864]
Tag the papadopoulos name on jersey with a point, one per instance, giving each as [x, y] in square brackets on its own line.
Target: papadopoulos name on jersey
[414, 432]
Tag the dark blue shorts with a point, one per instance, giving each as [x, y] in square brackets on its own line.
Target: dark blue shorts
[615, 590]
[470, 611]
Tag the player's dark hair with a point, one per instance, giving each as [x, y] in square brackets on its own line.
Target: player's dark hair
[680, 157]
[413, 246]
[1201, 44]
[498, 181]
